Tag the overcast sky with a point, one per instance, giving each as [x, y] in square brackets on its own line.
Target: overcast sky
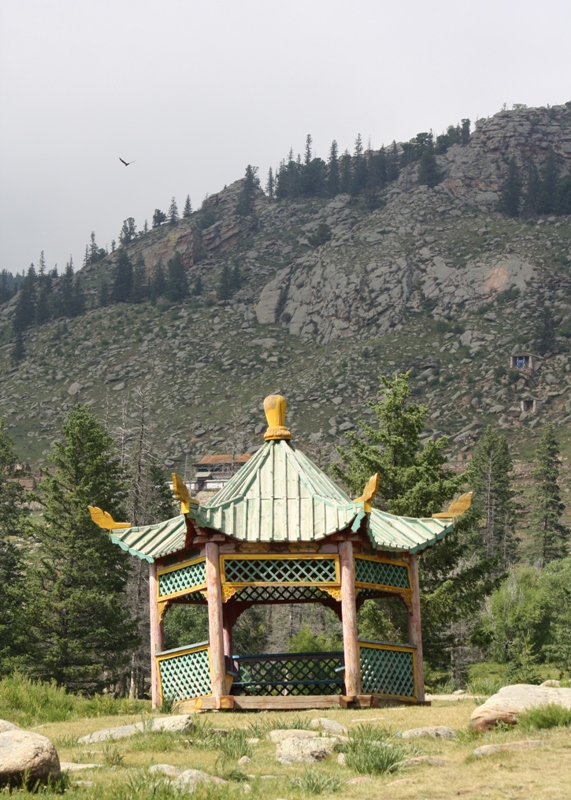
[194, 90]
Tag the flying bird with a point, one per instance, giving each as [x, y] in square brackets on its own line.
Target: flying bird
[125, 162]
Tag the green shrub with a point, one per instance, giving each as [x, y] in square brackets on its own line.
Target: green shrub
[112, 756]
[371, 751]
[370, 757]
[315, 781]
[27, 702]
[551, 716]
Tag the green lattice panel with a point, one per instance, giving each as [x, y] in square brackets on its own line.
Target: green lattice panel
[280, 570]
[185, 676]
[288, 594]
[178, 580]
[387, 672]
[290, 675]
[381, 573]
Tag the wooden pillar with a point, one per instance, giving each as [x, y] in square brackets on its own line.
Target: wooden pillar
[157, 635]
[349, 612]
[415, 626]
[215, 623]
[228, 624]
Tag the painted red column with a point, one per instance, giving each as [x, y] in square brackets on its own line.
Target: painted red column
[349, 619]
[415, 627]
[215, 622]
[157, 635]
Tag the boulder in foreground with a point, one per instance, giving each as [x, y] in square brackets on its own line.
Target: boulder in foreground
[304, 751]
[27, 756]
[512, 701]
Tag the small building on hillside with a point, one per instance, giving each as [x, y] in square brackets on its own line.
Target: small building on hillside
[214, 472]
[525, 362]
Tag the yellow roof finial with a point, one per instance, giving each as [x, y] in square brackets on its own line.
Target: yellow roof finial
[275, 409]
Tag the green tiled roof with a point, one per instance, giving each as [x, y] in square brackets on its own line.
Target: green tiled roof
[152, 541]
[279, 495]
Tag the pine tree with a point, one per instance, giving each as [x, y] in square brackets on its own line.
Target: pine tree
[66, 299]
[197, 287]
[428, 173]
[43, 306]
[173, 212]
[77, 623]
[532, 189]
[158, 282]
[13, 513]
[128, 231]
[308, 155]
[346, 173]
[414, 482]
[270, 184]
[465, 132]
[510, 193]
[545, 341]
[333, 170]
[25, 310]
[18, 352]
[359, 168]
[158, 218]
[103, 294]
[548, 189]
[187, 211]
[224, 291]
[176, 279]
[78, 307]
[492, 515]
[245, 205]
[122, 279]
[551, 536]
[139, 284]
[393, 164]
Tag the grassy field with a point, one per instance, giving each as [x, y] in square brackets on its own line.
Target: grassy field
[219, 739]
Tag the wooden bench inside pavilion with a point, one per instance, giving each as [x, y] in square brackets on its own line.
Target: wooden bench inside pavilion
[281, 531]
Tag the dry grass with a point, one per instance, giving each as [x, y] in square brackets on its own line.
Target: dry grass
[528, 775]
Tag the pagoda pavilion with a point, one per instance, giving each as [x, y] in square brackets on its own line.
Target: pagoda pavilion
[280, 531]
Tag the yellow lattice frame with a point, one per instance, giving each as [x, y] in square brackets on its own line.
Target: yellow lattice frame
[400, 648]
[406, 593]
[164, 570]
[183, 651]
[230, 588]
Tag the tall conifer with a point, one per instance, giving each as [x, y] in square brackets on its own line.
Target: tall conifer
[551, 536]
[493, 511]
[77, 622]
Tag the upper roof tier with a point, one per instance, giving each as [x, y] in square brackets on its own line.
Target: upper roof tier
[279, 495]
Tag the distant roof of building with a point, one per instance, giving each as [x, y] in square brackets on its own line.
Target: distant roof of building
[224, 458]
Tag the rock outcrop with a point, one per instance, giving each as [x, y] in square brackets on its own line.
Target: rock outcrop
[512, 701]
[175, 724]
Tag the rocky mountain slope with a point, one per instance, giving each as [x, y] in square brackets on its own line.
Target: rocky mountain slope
[434, 280]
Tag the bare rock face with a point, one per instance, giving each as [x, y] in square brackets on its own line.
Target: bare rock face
[510, 701]
[175, 724]
[304, 751]
[25, 755]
